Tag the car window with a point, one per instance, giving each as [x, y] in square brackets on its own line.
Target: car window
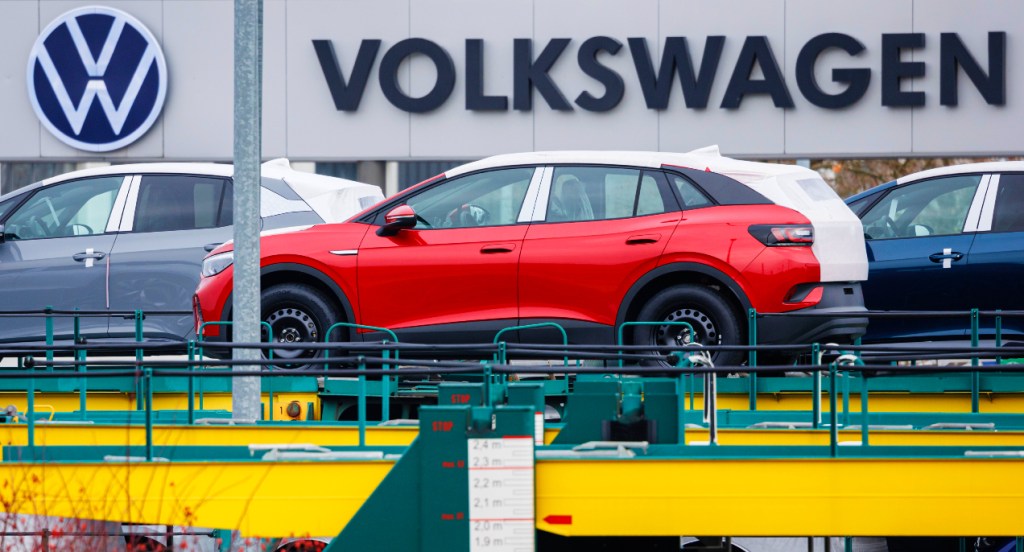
[178, 202]
[691, 196]
[491, 198]
[6, 206]
[78, 208]
[601, 193]
[930, 208]
[858, 206]
[1009, 212]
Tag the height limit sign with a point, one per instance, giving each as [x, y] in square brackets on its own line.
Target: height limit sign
[501, 498]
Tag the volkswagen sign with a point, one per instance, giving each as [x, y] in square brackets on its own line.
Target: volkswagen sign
[97, 78]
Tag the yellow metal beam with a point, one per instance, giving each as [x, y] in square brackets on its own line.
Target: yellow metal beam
[178, 435]
[333, 435]
[878, 401]
[762, 497]
[756, 497]
[106, 400]
[260, 499]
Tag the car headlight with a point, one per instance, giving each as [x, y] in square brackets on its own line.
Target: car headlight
[215, 264]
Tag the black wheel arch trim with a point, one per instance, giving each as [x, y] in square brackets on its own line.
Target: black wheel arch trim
[681, 267]
[336, 290]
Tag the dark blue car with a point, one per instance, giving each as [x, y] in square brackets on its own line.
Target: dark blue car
[950, 238]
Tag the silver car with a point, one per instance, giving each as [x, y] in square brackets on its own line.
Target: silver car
[129, 237]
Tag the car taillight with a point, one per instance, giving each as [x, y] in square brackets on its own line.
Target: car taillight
[783, 234]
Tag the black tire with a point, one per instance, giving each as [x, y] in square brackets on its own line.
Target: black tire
[713, 319]
[297, 313]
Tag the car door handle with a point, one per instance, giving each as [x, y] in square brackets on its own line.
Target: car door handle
[939, 257]
[211, 246]
[96, 255]
[645, 238]
[498, 248]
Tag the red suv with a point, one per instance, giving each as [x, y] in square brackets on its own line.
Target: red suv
[585, 239]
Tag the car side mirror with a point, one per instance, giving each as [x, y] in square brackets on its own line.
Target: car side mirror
[3, 235]
[399, 218]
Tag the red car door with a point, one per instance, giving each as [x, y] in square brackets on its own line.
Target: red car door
[602, 229]
[453, 277]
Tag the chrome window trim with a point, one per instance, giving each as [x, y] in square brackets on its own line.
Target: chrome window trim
[128, 217]
[974, 212]
[530, 201]
[540, 212]
[989, 208]
[117, 211]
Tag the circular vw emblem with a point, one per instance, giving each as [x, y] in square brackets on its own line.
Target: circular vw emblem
[97, 78]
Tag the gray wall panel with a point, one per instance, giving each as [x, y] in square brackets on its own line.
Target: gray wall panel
[300, 119]
[756, 128]
[972, 127]
[450, 129]
[19, 26]
[315, 129]
[275, 79]
[198, 112]
[630, 126]
[866, 128]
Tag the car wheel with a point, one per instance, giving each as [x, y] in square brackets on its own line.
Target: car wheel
[713, 319]
[296, 314]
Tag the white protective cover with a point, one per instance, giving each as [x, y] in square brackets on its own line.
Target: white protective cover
[334, 199]
[838, 233]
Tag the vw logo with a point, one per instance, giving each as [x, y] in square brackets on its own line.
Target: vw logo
[97, 78]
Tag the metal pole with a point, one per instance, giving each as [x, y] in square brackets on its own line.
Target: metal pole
[191, 383]
[752, 357]
[147, 384]
[816, 387]
[139, 355]
[245, 391]
[83, 390]
[975, 376]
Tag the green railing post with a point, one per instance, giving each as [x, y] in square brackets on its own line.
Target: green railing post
[270, 386]
[816, 386]
[30, 408]
[833, 416]
[83, 387]
[624, 325]
[138, 357]
[191, 382]
[863, 408]
[362, 401]
[975, 376]
[49, 338]
[385, 394]
[681, 362]
[846, 385]
[846, 397]
[385, 407]
[487, 384]
[503, 347]
[752, 355]
[147, 384]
